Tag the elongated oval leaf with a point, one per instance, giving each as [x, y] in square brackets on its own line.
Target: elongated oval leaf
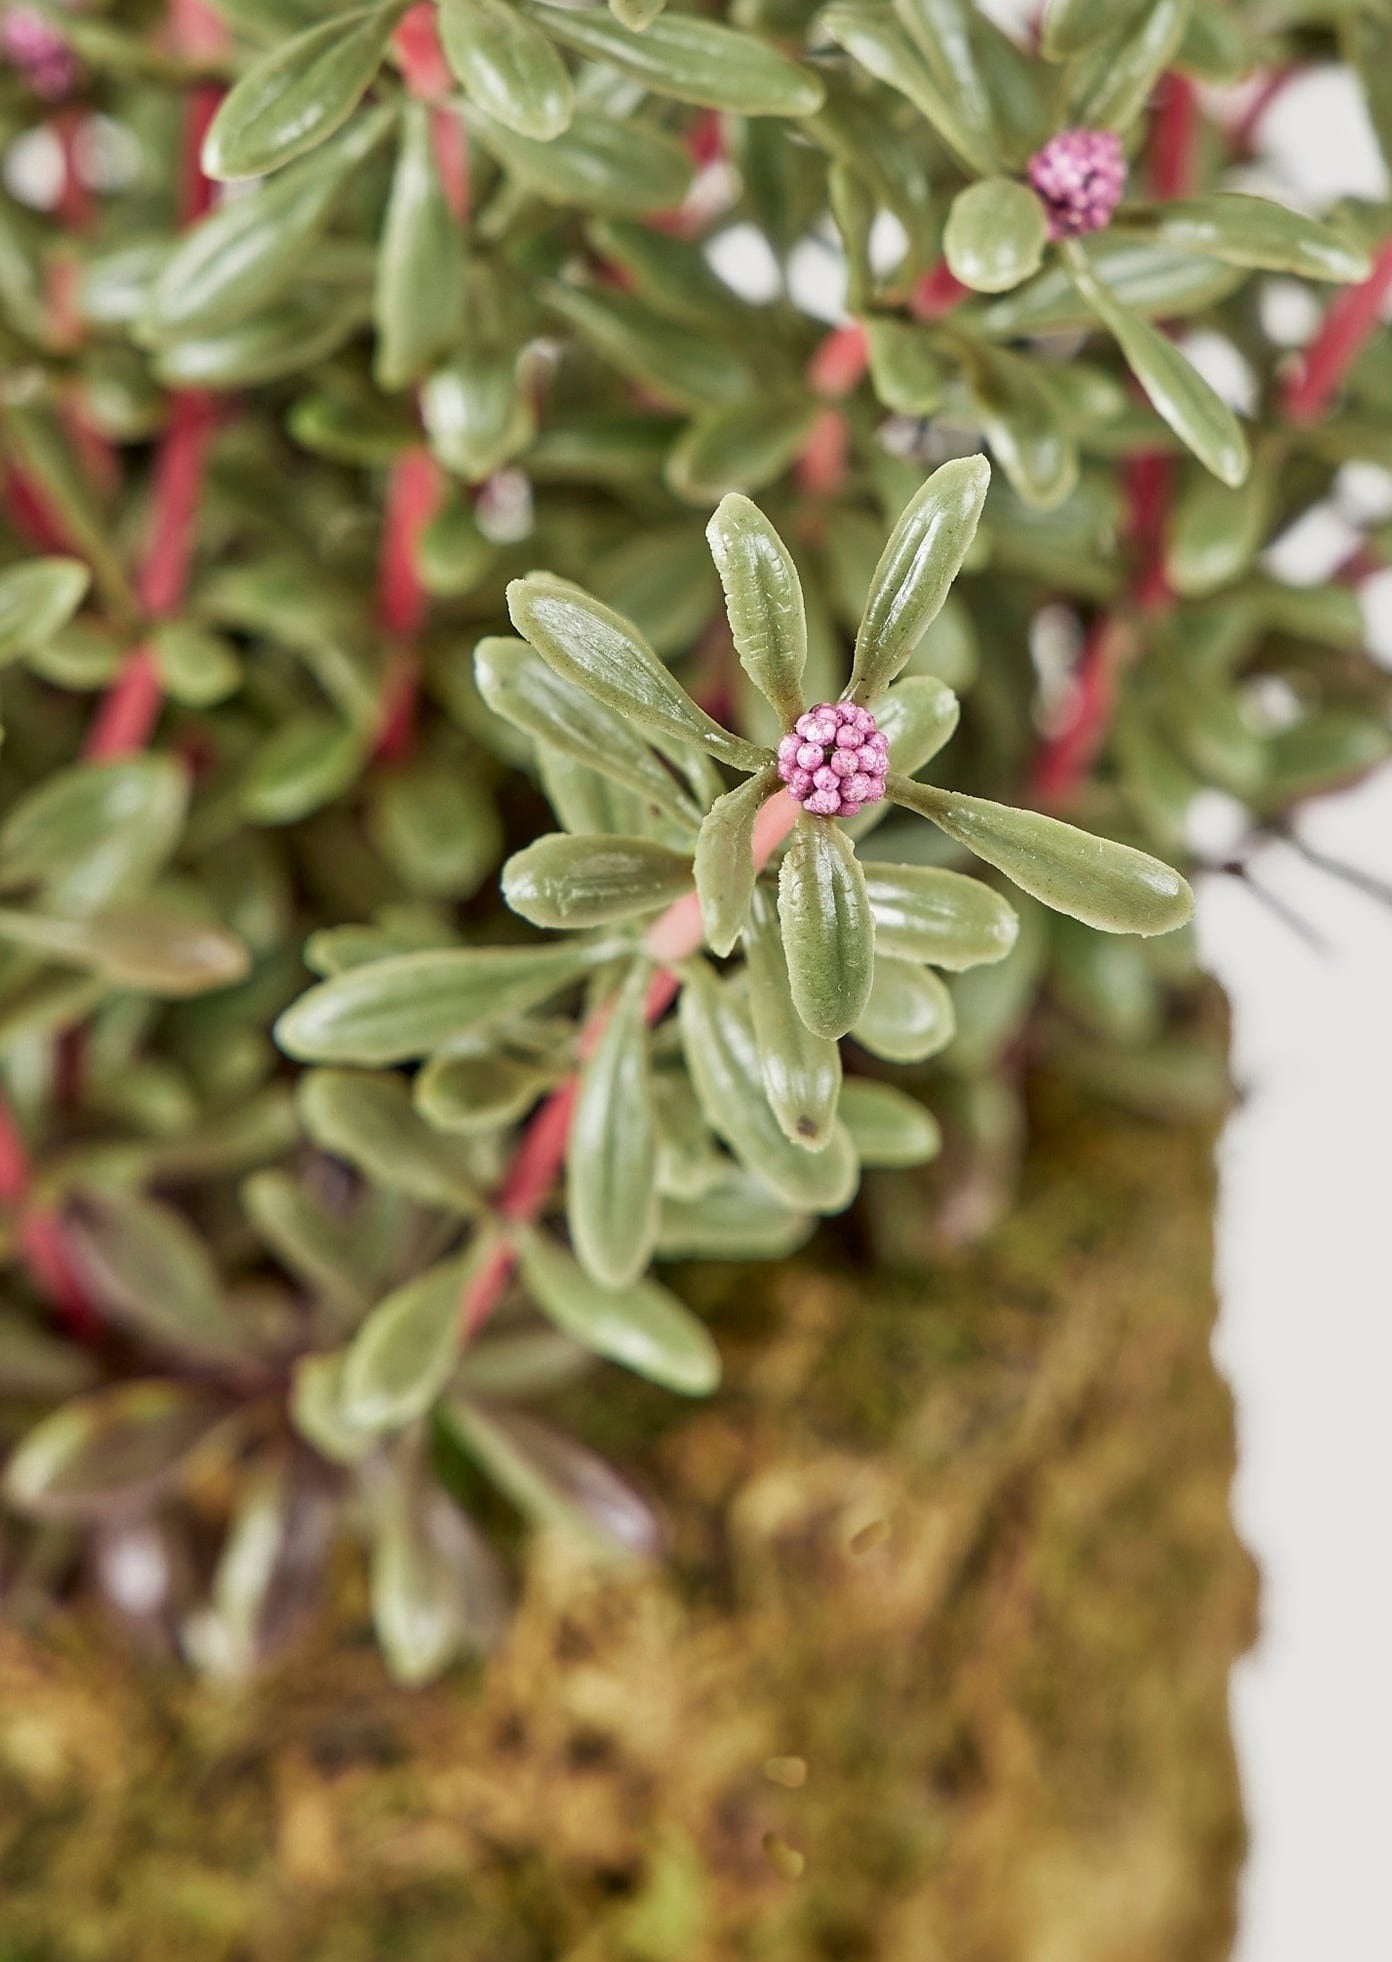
[562, 881]
[147, 1269]
[141, 947]
[418, 294]
[923, 913]
[478, 1093]
[1215, 531]
[507, 66]
[611, 1162]
[828, 929]
[588, 644]
[889, 1128]
[392, 1010]
[740, 448]
[694, 60]
[763, 599]
[403, 1355]
[1178, 392]
[642, 1326]
[1070, 26]
[909, 1015]
[724, 864]
[1106, 885]
[871, 36]
[923, 557]
[1110, 85]
[296, 96]
[436, 1587]
[370, 1121]
[96, 831]
[904, 364]
[801, 1071]
[684, 365]
[1153, 280]
[552, 1480]
[110, 1451]
[1251, 231]
[722, 1055]
[600, 163]
[995, 236]
[36, 599]
[517, 684]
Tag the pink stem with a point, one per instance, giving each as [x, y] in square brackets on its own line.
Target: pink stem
[1171, 154]
[1352, 320]
[541, 1153]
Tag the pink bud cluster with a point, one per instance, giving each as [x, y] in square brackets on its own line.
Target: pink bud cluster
[38, 52]
[1079, 177]
[834, 759]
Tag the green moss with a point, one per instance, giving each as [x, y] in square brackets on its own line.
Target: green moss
[961, 1546]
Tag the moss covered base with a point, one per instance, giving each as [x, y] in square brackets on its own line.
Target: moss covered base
[939, 1672]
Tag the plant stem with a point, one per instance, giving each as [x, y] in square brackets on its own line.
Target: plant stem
[1352, 320]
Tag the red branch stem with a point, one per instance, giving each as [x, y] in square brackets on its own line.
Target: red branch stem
[1352, 320]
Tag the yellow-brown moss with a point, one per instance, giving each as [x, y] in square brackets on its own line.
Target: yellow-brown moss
[955, 1550]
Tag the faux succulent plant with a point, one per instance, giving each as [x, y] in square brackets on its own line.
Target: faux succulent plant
[335, 343]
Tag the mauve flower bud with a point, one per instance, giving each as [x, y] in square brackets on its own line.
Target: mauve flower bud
[834, 759]
[1079, 177]
[37, 51]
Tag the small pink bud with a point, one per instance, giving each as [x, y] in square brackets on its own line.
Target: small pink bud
[834, 759]
[1079, 177]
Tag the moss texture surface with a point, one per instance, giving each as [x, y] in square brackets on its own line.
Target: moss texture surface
[938, 1673]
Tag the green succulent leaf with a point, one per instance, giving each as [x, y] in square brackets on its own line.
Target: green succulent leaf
[828, 928]
[587, 644]
[1110, 84]
[871, 36]
[1216, 530]
[151, 1274]
[724, 865]
[1071, 26]
[694, 60]
[393, 1010]
[1199, 417]
[95, 832]
[923, 913]
[559, 711]
[507, 66]
[763, 599]
[144, 947]
[643, 1326]
[996, 234]
[687, 366]
[889, 1128]
[611, 1172]
[436, 1589]
[722, 1056]
[1112, 887]
[600, 163]
[801, 1071]
[371, 1122]
[299, 94]
[36, 599]
[1251, 231]
[909, 1015]
[562, 881]
[404, 1354]
[740, 448]
[904, 364]
[114, 1449]
[418, 295]
[923, 557]
[552, 1480]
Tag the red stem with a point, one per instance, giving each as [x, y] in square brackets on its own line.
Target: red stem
[1352, 320]
[1171, 154]
[539, 1157]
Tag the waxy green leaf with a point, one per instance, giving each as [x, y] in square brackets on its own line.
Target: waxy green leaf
[909, 1015]
[741, 448]
[562, 881]
[553, 1481]
[611, 1165]
[684, 365]
[763, 600]
[370, 1122]
[887, 1126]
[111, 1451]
[1250, 231]
[801, 1071]
[923, 913]
[923, 557]
[828, 929]
[507, 66]
[722, 1056]
[96, 831]
[405, 1352]
[1110, 85]
[693, 59]
[642, 1326]
[593, 647]
[36, 599]
[1109, 886]
[904, 364]
[150, 1273]
[995, 236]
[393, 1010]
[1178, 392]
[299, 94]
[600, 163]
[724, 866]
[418, 293]
[143, 947]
